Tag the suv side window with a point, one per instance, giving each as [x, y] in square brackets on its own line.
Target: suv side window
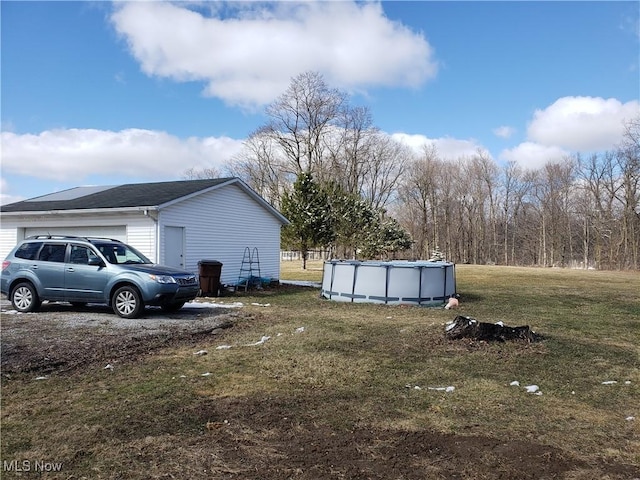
[28, 250]
[80, 255]
[53, 252]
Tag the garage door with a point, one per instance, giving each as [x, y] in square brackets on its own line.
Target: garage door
[119, 232]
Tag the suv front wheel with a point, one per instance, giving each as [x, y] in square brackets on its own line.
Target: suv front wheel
[127, 302]
[24, 298]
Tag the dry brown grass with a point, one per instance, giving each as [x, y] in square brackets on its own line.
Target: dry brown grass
[292, 270]
[338, 399]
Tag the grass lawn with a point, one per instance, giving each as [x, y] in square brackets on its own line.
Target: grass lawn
[345, 391]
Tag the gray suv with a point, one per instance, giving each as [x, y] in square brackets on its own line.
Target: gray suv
[91, 270]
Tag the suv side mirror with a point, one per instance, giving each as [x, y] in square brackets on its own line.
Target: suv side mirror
[96, 261]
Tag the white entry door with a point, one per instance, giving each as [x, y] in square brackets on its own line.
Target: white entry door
[174, 246]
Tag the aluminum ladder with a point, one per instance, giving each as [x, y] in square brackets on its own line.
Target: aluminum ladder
[250, 265]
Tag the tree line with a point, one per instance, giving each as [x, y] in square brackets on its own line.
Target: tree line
[353, 189]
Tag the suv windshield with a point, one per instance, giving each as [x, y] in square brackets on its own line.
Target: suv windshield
[119, 253]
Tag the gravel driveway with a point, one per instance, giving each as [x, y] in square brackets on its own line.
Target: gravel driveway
[61, 338]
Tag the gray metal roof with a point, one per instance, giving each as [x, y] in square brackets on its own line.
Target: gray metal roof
[71, 194]
[152, 195]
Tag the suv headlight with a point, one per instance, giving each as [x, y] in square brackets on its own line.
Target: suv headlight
[162, 278]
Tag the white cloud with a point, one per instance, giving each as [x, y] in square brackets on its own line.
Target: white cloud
[533, 156]
[5, 193]
[247, 53]
[79, 153]
[582, 124]
[504, 131]
[448, 148]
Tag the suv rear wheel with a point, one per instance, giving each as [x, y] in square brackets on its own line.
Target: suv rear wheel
[127, 302]
[24, 298]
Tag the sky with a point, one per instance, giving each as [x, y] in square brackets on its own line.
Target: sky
[108, 93]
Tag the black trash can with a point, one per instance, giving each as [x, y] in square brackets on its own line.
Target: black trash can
[210, 272]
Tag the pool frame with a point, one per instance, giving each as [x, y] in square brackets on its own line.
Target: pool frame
[391, 282]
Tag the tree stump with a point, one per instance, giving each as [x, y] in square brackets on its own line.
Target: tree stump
[467, 327]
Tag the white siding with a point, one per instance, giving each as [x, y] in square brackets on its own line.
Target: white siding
[118, 232]
[219, 225]
[141, 235]
[8, 240]
[135, 229]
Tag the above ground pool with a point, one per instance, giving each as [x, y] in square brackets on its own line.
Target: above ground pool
[393, 282]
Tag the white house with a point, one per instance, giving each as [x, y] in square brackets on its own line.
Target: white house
[174, 223]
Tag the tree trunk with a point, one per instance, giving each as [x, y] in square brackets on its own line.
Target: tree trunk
[467, 327]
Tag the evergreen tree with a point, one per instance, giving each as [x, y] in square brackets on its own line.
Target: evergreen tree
[385, 237]
[362, 231]
[307, 208]
[353, 219]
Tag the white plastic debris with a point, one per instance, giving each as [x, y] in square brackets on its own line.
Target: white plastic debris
[442, 389]
[630, 419]
[449, 326]
[532, 388]
[609, 382]
[627, 382]
[108, 367]
[201, 352]
[213, 305]
[223, 347]
[417, 388]
[500, 323]
[227, 305]
[206, 374]
[299, 329]
[259, 342]
[261, 304]
[515, 383]
[41, 378]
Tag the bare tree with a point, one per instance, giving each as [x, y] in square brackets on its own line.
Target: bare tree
[300, 118]
[481, 176]
[514, 189]
[261, 166]
[348, 149]
[387, 163]
[363, 160]
[627, 160]
[201, 173]
[421, 199]
[578, 211]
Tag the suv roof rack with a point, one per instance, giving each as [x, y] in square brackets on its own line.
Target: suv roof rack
[70, 237]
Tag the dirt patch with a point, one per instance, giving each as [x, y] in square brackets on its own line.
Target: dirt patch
[263, 439]
[61, 338]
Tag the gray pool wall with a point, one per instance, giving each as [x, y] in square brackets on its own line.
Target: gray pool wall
[391, 282]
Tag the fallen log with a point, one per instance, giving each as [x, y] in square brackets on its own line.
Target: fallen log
[468, 327]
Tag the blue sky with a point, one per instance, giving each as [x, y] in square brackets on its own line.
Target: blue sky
[100, 93]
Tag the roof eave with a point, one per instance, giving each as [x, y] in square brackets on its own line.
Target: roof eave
[81, 211]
